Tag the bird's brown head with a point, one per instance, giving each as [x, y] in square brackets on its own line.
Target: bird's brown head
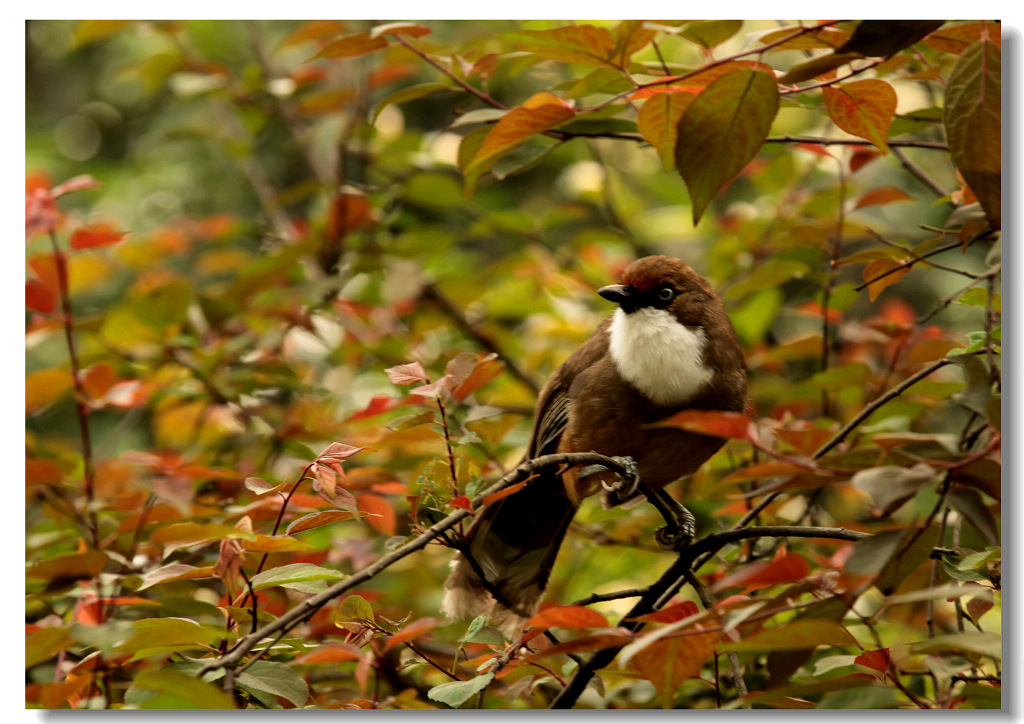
[663, 282]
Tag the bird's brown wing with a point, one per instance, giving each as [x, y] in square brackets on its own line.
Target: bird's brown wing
[552, 413]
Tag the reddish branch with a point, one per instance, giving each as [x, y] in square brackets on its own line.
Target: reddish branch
[82, 408]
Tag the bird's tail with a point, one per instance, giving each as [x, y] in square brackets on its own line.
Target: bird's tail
[512, 546]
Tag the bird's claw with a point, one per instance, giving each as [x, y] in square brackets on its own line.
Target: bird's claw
[675, 538]
[623, 487]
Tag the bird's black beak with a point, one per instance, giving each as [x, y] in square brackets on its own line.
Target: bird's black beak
[620, 294]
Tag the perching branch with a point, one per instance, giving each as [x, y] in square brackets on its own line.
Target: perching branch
[311, 605]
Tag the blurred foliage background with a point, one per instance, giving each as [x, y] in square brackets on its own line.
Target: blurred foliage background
[299, 224]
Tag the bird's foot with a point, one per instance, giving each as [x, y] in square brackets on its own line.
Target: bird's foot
[680, 526]
[623, 487]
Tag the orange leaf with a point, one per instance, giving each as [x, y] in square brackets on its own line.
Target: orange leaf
[495, 497]
[411, 631]
[864, 108]
[91, 237]
[540, 113]
[670, 661]
[958, 38]
[670, 614]
[571, 617]
[349, 212]
[316, 520]
[98, 379]
[718, 424]
[381, 514]
[331, 653]
[41, 470]
[314, 30]
[351, 46]
[461, 501]
[698, 81]
[39, 297]
[876, 282]
[379, 404]
[882, 195]
[412, 29]
[805, 440]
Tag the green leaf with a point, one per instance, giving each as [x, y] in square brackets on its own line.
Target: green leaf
[861, 697]
[978, 297]
[722, 130]
[800, 634]
[968, 501]
[410, 93]
[769, 275]
[354, 608]
[45, 644]
[273, 677]
[972, 119]
[709, 33]
[816, 66]
[69, 567]
[162, 635]
[583, 44]
[985, 643]
[168, 689]
[456, 693]
[891, 486]
[293, 573]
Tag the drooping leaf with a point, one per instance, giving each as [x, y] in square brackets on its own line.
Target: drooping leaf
[670, 661]
[39, 297]
[583, 44]
[658, 121]
[863, 108]
[722, 130]
[972, 118]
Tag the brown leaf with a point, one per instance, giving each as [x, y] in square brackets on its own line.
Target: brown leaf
[407, 374]
[670, 661]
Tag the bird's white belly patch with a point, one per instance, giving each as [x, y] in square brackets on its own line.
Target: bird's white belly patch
[659, 356]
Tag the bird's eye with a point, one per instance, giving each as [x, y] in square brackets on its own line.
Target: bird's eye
[666, 293]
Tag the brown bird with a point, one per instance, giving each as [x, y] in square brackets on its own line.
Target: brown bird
[668, 347]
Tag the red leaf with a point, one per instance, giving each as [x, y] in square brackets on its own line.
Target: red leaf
[39, 297]
[879, 660]
[670, 614]
[407, 374]
[469, 372]
[98, 379]
[670, 661]
[718, 424]
[381, 514]
[463, 502]
[316, 520]
[91, 237]
[784, 568]
[571, 617]
[882, 195]
[349, 212]
[862, 156]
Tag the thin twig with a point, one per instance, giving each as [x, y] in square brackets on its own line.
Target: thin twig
[81, 397]
[456, 79]
[892, 143]
[909, 263]
[734, 659]
[919, 173]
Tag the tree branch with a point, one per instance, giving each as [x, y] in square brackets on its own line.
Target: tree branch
[307, 608]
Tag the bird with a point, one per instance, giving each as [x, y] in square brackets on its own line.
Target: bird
[668, 346]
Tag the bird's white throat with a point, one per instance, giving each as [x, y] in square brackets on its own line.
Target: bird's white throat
[659, 356]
